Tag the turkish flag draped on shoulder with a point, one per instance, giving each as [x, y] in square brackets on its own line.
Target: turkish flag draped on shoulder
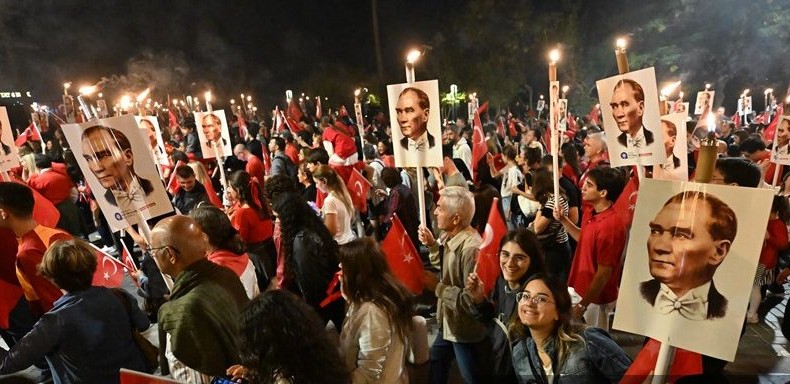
[479, 147]
[626, 203]
[109, 271]
[402, 257]
[487, 267]
[685, 363]
[358, 187]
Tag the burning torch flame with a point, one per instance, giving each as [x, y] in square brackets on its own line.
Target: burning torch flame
[143, 95]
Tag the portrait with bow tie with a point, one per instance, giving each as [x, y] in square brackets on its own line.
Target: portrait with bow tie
[115, 158]
[9, 157]
[690, 263]
[410, 106]
[631, 118]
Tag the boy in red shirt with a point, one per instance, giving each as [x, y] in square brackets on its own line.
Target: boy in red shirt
[596, 268]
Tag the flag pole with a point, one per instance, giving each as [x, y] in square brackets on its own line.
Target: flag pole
[410, 60]
[360, 122]
[554, 56]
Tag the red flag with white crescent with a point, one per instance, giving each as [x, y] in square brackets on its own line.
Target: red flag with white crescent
[487, 267]
[109, 271]
[479, 147]
[358, 187]
[626, 202]
[770, 130]
[402, 257]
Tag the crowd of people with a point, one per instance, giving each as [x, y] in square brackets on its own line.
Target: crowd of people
[274, 275]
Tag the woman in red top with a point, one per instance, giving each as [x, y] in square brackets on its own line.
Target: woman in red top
[775, 241]
[252, 217]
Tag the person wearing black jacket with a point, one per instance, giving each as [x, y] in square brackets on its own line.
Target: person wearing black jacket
[191, 193]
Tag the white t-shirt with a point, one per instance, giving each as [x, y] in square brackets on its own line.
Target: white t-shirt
[334, 205]
[511, 177]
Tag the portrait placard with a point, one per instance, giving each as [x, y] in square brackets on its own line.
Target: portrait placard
[675, 167]
[704, 102]
[631, 118]
[9, 154]
[416, 124]
[116, 160]
[212, 130]
[690, 263]
[562, 106]
[149, 125]
[780, 152]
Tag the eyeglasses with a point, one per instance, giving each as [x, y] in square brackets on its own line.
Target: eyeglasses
[539, 300]
[152, 250]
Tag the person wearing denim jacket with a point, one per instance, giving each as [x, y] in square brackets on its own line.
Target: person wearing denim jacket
[559, 350]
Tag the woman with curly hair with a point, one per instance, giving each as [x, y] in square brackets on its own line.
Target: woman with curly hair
[310, 255]
[283, 341]
[225, 246]
[378, 320]
[338, 209]
[559, 349]
[251, 216]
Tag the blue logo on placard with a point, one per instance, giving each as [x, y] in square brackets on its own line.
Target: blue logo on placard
[118, 216]
[623, 155]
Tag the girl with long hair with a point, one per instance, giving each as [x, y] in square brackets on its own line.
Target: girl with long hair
[552, 347]
[571, 168]
[225, 246]
[520, 257]
[338, 209]
[252, 218]
[378, 321]
[283, 341]
[551, 234]
[310, 254]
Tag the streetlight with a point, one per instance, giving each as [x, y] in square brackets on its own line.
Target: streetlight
[565, 89]
[66, 88]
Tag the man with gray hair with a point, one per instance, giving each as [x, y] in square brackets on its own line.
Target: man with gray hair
[461, 336]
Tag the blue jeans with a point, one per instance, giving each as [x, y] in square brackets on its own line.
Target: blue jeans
[471, 358]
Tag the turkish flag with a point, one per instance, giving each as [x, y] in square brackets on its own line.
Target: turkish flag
[483, 108]
[133, 377]
[487, 267]
[212, 194]
[736, 119]
[626, 203]
[318, 111]
[29, 134]
[770, 130]
[479, 147]
[594, 115]
[109, 271]
[684, 363]
[402, 257]
[172, 120]
[358, 187]
[500, 127]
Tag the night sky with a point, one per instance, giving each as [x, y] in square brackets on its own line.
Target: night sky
[263, 47]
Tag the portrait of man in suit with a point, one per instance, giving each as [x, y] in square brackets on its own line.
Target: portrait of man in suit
[670, 137]
[412, 113]
[211, 125]
[109, 155]
[689, 239]
[782, 138]
[628, 108]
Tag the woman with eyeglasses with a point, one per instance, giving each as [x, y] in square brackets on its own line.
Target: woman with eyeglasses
[520, 257]
[560, 350]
